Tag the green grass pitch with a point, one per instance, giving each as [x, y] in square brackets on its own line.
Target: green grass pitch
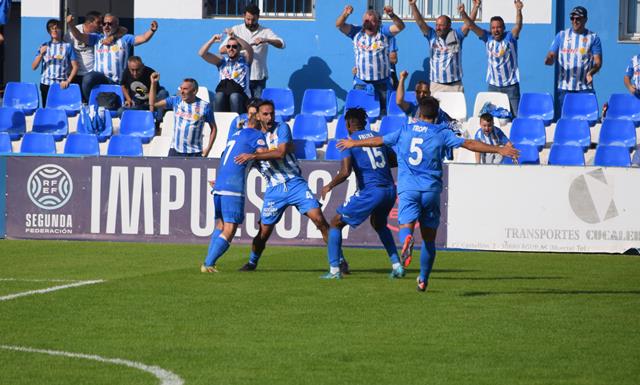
[488, 318]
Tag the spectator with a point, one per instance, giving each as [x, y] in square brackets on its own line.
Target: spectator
[446, 49]
[372, 47]
[5, 6]
[260, 38]
[136, 84]
[393, 61]
[110, 56]
[502, 55]
[579, 54]
[632, 76]
[233, 90]
[59, 64]
[191, 113]
[635, 161]
[489, 134]
[421, 89]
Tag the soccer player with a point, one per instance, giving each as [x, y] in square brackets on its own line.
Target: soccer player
[421, 147]
[229, 188]
[285, 184]
[375, 197]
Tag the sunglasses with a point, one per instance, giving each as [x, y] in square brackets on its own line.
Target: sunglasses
[576, 18]
[234, 46]
[107, 23]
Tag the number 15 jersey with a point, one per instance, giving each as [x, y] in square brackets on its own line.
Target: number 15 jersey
[370, 164]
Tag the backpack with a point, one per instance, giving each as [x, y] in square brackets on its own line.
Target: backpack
[109, 100]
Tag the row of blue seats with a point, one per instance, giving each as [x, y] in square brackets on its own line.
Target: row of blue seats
[55, 122]
[76, 144]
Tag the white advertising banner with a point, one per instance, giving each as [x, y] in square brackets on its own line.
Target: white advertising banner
[543, 208]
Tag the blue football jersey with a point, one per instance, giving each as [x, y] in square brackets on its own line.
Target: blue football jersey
[230, 178]
[370, 164]
[421, 148]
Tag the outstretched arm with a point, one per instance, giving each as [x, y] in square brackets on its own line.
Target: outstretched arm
[343, 174]
[515, 31]
[155, 79]
[208, 56]
[470, 24]
[403, 104]
[275, 154]
[417, 16]
[398, 24]
[507, 150]
[145, 37]
[376, 141]
[473, 16]
[341, 22]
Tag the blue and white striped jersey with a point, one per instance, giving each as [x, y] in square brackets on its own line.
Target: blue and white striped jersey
[446, 56]
[575, 56]
[189, 123]
[283, 170]
[237, 70]
[495, 138]
[502, 60]
[5, 5]
[231, 177]
[56, 62]
[633, 71]
[111, 60]
[371, 53]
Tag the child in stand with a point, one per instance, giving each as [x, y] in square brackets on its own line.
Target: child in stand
[492, 135]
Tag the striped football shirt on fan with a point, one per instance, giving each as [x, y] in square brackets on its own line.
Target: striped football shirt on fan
[575, 55]
[56, 62]
[633, 71]
[502, 60]
[189, 123]
[111, 60]
[283, 170]
[236, 70]
[371, 53]
[446, 56]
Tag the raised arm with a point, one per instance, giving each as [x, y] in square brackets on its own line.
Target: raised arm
[473, 16]
[81, 37]
[515, 31]
[155, 79]
[398, 24]
[470, 24]
[145, 37]
[417, 16]
[403, 104]
[208, 56]
[248, 50]
[343, 174]
[341, 22]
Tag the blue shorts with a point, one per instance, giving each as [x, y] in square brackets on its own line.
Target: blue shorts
[423, 206]
[229, 208]
[292, 193]
[375, 200]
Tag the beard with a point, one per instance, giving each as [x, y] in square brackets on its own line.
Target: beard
[369, 26]
[251, 27]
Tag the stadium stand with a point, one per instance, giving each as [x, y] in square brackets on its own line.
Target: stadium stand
[12, 121]
[283, 100]
[391, 123]
[617, 132]
[115, 88]
[624, 106]
[615, 156]
[332, 152]
[38, 143]
[203, 93]
[124, 145]
[362, 99]
[69, 99]
[536, 106]
[566, 155]
[311, 128]
[498, 99]
[453, 103]
[138, 123]
[392, 107]
[5, 143]
[23, 96]
[572, 132]
[320, 102]
[223, 122]
[84, 128]
[581, 107]
[529, 154]
[305, 149]
[528, 131]
[82, 144]
[51, 121]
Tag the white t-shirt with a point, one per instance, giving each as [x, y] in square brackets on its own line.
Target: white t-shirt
[84, 52]
[259, 66]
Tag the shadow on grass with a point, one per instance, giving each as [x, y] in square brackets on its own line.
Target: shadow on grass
[550, 291]
[514, 278]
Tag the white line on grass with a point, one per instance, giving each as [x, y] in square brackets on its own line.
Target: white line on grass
[166, 377]
[49, 289]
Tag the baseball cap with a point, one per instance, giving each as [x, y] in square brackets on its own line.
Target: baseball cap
[578, 11]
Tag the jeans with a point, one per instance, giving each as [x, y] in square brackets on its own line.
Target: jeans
[91, 80]
[512, 92]
[380, 88]
[256, 87]
[230, 103]
[173, 152]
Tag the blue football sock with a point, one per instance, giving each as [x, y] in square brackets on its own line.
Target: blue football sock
[427, 258]
[389, 244]
[220, 245]
[214, 236]
[334, 247]
[254, 258]
[404, 233]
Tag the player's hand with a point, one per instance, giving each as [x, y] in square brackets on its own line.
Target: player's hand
[589, 78]
[388, 10]
[518, 4]
[43, 49]
[154, 26]
[344, 144]
[70, 20]
[509, 151]
[243, 158]
[155, 77]
[348, 10]
[461, 8]
[325, 191]
[404, 74]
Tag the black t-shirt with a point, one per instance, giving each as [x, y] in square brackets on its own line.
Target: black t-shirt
[138, 88]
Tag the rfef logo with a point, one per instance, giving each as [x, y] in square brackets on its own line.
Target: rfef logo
[49, 186]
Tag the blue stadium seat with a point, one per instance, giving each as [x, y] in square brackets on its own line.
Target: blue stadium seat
[566, 155]
[618, 132]
[69, 100]
[616, 156]
[321, 102]
[362, 99]
[23, 96]
[82, 144]
[12, 122]
[304, 149]
[391, 123]
[528, 131]
[536, 106]
[138, 123]
[332, 152]
[310, 127]
[393, 109]
[624, 106]
[581, 106]
[83, 128]
[572, 132]
[124, 145]
[5, 143]
[51, 121]
[38, 143]
[105, 88]
[341, 128]
[283, 100]
[529, 154]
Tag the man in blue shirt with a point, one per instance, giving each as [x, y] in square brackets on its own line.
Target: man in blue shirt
[229, 189]
[421, 148]
[375, 196]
